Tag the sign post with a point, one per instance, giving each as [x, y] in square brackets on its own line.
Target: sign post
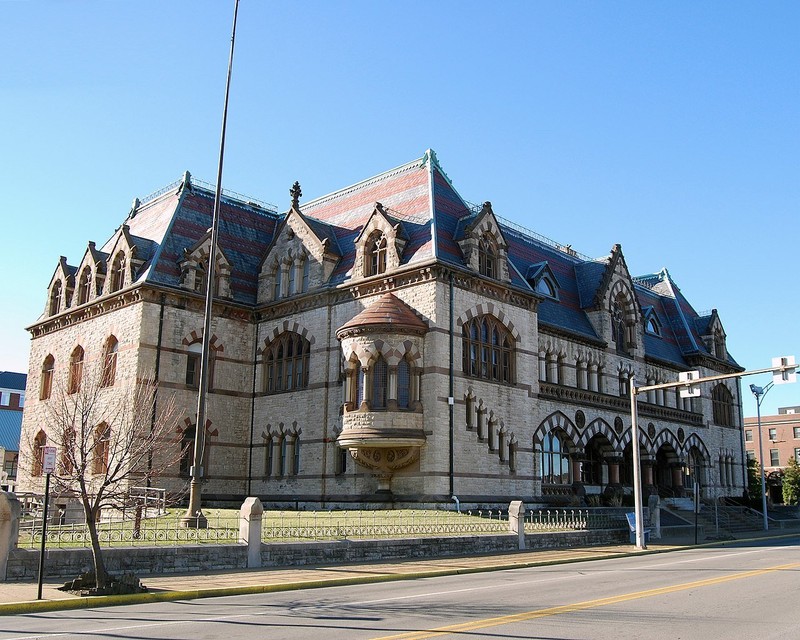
[48, 466]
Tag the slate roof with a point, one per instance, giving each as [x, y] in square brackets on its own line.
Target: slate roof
[421, 197]
[10, 429]
[11, 380]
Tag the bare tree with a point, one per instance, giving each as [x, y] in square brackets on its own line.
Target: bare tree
[109, 439]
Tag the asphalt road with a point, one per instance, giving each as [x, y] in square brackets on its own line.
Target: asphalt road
[745, 591]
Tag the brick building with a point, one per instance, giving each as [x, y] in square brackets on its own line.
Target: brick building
[391, 340]
[12, 402]
[780, 438]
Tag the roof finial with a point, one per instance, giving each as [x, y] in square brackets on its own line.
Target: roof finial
[296, 194]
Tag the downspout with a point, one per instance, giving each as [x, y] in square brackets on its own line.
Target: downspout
[155, 379]
[328, 379]
[450, 398]
[252, 411]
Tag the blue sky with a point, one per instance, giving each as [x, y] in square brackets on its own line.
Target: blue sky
[672, 128]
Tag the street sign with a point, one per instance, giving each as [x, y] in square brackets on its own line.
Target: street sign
[48, 459]
[690, 390]
[782, 370]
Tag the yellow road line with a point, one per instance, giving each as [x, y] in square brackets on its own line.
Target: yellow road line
[578, 606]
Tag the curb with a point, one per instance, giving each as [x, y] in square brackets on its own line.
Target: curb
[92, 602]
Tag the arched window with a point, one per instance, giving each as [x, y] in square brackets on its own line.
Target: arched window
[722, 405]
[101, 448]
[719, 345]
[39, 443]
[286, 361]
[380, 383]
[403, 384]
[46, 384]
[652, 327]
[555, 460]
[620, 332]
[84, 285]
[546, 288]
[56, 294]
[487, 350]
[118, 272]
[110, 362]
[187, 451]
[75, 370]
[193, 356]
[201, 277]
[68, 451]
[375, 254]
[487, 257]
[292, 278]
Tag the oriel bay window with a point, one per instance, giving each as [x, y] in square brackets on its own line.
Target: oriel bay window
[382, 386]
[487, 350]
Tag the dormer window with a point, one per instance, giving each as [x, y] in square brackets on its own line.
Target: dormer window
[546, 288]
[487, 257]
[56, 294]
[375, 254]
[621, 333]
[118, 272]
[652, 325]
[719, 345]
[84, 285]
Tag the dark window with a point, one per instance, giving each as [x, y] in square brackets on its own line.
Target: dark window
[46, 388]
[773, 434]
[110, 362]
[487, 350]
[286, 361]
[773, 458]
[722, 405]
[118, 272]
[403, 384]
[375, 254]
[55, 298]
[84, 285]
[380, 383]
[193, 364]
[748, 435]
[75, 370]
[487, 257]
[39, 443]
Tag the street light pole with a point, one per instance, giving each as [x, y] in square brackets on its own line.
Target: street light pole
[637, 464]
[759, 393]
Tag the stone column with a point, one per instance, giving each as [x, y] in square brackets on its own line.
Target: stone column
[516, 521]
[677, 479]
[250, 530]
[552, 369]
[542, 366]
[581, 382]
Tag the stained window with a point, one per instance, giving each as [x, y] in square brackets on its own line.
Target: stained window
[110, 362]
[46, 388]
[722, 406]
[487, 350]
[286, 361]
[75, 370]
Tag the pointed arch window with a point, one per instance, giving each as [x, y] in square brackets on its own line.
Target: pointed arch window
[546, 287]
[84, 285]
[555, 459]
[306, 274]
[621, 333]
[75, 370]
[110, 362]
[375, 254]
[286, 362]
[276, 294]
[380, 383]
[118, 272]
[722, 406]
[487, 257]
[719, 345]
[101, 449]
[487, 350]
[46, 384]
[39, 443]
[56, 295]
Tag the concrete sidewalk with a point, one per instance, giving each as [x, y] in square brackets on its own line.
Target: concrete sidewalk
[20, 597]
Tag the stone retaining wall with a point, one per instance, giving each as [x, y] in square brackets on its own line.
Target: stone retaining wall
[23, 564]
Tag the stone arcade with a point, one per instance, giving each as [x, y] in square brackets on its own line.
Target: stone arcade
[341, 326]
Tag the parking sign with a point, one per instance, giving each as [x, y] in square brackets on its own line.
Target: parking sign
[49, 459]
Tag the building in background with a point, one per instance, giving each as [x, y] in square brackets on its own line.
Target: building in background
[780, 441]
[12, 402]
[391, 341]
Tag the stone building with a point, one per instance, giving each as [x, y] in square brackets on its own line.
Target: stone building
[392, 341]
